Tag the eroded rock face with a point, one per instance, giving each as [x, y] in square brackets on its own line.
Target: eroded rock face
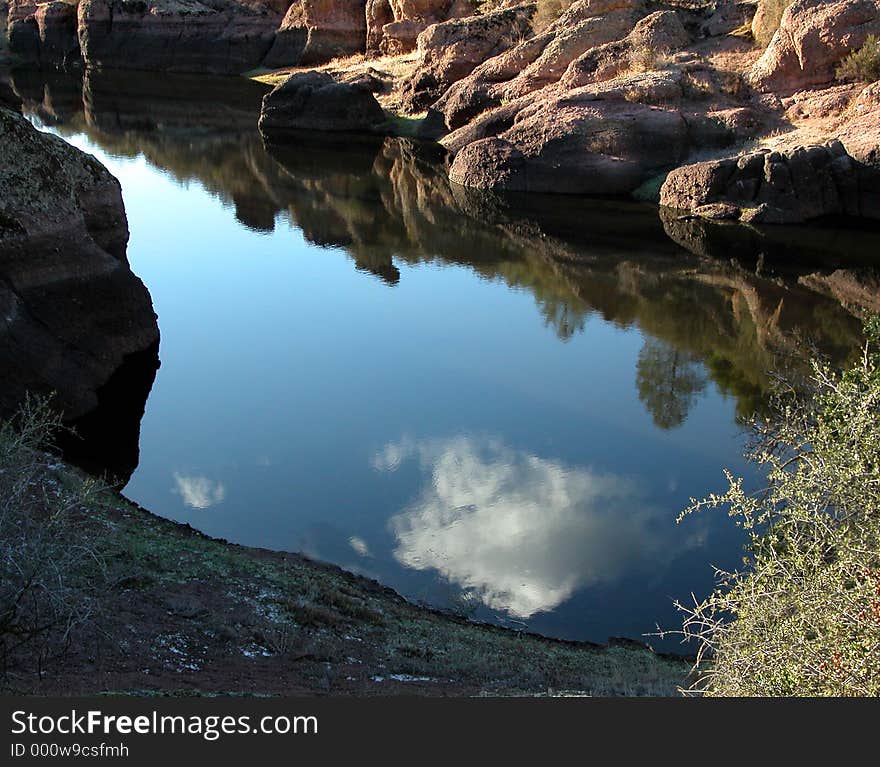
[540, 60]
[452, 50]
[315, 101]
[23, 37]
[813, 38]
[71, 311]
[42, 34]
[393, 26]
[776, 187]
[57, 26]
[315, 31]
[220, 36]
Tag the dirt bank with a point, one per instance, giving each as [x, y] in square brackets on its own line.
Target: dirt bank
[180, 613]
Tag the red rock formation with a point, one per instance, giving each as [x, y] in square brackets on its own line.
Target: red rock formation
[813, 37]
[596, 131]
[776, 187]
[393, 26]
[602, 139]
[315, 31]
[539, 60]
[22, 32]
[452, 50]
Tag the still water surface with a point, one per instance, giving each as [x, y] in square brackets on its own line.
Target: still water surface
[496, 407]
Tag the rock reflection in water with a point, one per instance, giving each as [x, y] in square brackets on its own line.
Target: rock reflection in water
[729, 296]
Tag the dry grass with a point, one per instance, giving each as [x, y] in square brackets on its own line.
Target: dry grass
[394, 67]
[72, 553]
[647, 58]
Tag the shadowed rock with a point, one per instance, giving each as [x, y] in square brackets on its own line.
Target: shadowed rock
[315, 101]
[222, 37]
[43, 34]
[71, 309]
[776, 187]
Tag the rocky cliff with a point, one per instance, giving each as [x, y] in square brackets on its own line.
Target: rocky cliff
[213, 36]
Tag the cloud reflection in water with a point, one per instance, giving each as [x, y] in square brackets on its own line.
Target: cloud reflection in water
[199, 492]
[522, 533]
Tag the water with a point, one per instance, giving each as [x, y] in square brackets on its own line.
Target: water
[493, 406]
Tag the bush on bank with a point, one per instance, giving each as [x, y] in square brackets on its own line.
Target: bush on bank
[802, 617]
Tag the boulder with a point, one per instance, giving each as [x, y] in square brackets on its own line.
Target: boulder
[600, 139]
[813, 38]
[651, 39]
[770, 187]
[607, 125]
[71, 311]
[315, 101]
[453, 49]
[217, 36]
[316, 31]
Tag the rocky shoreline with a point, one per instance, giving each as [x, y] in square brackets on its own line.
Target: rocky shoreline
[220, 37]
[63, 237]
[612, 95]
[598, 97]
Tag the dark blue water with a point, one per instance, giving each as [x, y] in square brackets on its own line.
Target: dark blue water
[495, 408]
